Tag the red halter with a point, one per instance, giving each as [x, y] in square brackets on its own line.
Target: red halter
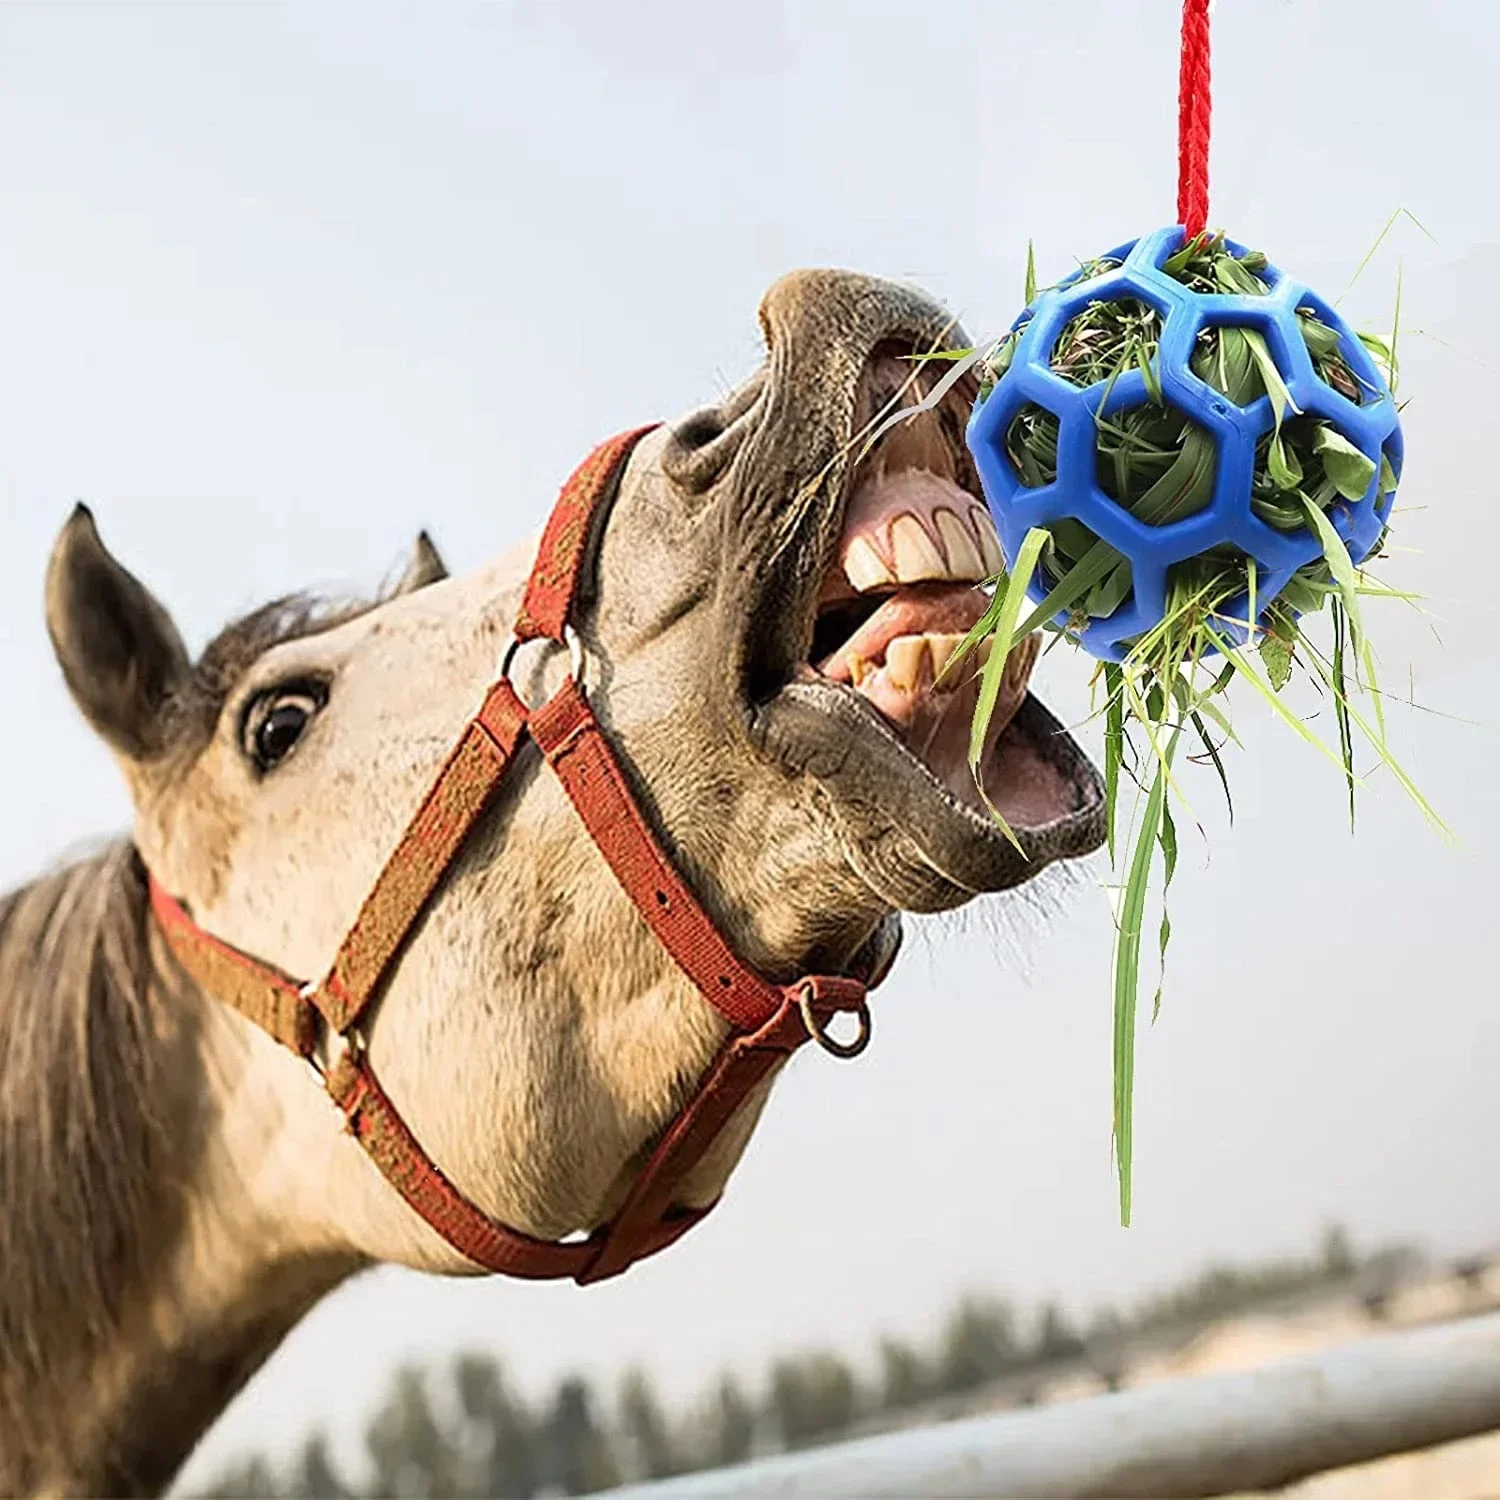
[767, 1022]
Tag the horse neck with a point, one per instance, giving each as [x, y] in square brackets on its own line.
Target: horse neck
[251, 1260]
[152, 1260]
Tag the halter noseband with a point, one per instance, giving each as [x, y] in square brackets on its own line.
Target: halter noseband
[767, 1022]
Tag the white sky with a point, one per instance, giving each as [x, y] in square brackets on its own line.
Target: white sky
[280, 284]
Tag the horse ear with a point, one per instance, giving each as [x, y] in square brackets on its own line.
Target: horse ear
[423, 567]
[119, 651]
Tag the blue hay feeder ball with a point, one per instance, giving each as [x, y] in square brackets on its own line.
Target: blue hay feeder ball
[1373, 427]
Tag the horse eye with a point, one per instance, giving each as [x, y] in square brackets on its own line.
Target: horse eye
[274, 725]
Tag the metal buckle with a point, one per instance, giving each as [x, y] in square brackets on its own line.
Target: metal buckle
[820, 1033]
[570, 639]
[342, 1044]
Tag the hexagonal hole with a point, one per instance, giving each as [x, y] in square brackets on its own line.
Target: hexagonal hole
[1031, 445]
[1072, 541]
[1276, 490]
[1309, 459]
[1208, 266]
[1106, 340]
[1390, 470]
[1221, 571]
[1155, 462]
[1227, 357]
[1200, 589]
[1151, 460]
[1324, 344]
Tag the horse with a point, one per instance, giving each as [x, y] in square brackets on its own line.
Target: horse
[762, 600]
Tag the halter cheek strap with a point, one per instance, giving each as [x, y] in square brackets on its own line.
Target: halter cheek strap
[767, 1022]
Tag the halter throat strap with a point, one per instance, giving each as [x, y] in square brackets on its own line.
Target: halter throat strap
[767, 1022]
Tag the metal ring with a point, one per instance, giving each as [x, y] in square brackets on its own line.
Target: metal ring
[575, 653]
[342, 1045]
[570, 639]
[314, 1063]
[823, 1037]
[508, 656]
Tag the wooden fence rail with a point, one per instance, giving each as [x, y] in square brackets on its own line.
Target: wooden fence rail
[1203, 1435]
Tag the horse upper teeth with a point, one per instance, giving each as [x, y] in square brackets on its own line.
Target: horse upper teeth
[993, 560]
[960, 545]
[915, 552]
[923, 547]
[864, 567]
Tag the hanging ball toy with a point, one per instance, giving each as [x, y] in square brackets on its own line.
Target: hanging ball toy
[1186, 423]
[1188, 456]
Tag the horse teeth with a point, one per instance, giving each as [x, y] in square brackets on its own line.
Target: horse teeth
[903, 661]
[943, 648]
[916, 554]
[992, 559]
[964, 559]
[864, 567]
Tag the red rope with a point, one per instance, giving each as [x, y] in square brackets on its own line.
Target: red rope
[1193, 103]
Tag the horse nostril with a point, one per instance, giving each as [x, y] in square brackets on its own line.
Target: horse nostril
[700, 429]
[700, 450]
[704, 444]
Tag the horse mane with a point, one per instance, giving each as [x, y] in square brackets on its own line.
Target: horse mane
[99, 1079]
[89, 1152]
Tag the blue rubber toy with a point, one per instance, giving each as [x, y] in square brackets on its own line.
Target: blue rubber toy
[1373, 427]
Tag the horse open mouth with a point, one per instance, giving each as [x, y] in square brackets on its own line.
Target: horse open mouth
[904, 588]
[865, 706]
